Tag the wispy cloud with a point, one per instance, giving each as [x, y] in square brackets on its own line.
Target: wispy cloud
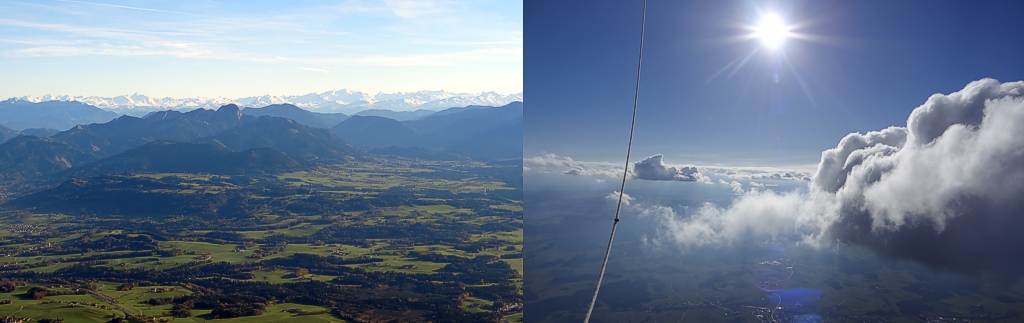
[74, 30]
[357, 36]
[438, 59]
[417, 8]
[176, 50]
[71, 40]
[202, 34]
[131, 8]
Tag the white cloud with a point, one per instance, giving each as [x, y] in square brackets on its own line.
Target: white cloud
[759, 214]
[131, 8]
[654, 168]
[451, 58]
[415, 8]
[453, 41]
[836, 163]
[944, 191]
[736, 187]
[614, 197]
[162, 49]
[552, 163]
[758, 172]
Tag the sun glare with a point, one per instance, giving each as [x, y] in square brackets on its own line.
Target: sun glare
[772, 31]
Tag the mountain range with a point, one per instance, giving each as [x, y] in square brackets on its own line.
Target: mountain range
[49, 117]
[231, 140]
[476, 131]
[397, 115]
[7, 133]
[21, 114]
[285, 135]
[178, 157]
[309, 118]
[126, 132]
[26, 157]
[339, 101]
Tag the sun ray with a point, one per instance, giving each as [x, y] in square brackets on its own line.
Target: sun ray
[736, 63]
[800, 80]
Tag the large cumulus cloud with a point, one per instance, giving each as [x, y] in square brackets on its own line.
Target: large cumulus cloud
[654, 168]
[946, 190]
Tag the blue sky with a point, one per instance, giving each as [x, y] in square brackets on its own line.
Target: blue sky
[860, 66]
[243, 48]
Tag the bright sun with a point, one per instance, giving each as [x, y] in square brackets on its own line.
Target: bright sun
[772, 31]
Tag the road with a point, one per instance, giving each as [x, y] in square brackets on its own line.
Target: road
[117, 305]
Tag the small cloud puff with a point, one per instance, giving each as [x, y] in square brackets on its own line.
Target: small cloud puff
[614, 197]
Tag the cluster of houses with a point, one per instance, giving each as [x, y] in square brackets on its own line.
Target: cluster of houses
[77, 303]
[510, 308]
[376, 264]
[21, 228]
[339, 252]
[162, 289]
[6, 264]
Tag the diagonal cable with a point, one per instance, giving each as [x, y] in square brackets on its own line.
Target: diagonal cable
[625, 171]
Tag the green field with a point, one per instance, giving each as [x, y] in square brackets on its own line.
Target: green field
[379, 219]
[90, 309]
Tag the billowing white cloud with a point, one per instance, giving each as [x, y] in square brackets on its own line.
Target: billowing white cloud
[944, 191]
[755, 213]
[837, 163]
[654, 168]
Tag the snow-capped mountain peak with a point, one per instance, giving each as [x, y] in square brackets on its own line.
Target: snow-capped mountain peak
[344, 101]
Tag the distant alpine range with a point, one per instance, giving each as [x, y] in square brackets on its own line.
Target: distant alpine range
[343, 101]
[73, 138]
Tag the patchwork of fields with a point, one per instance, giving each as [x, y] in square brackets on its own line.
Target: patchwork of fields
[392, 238]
